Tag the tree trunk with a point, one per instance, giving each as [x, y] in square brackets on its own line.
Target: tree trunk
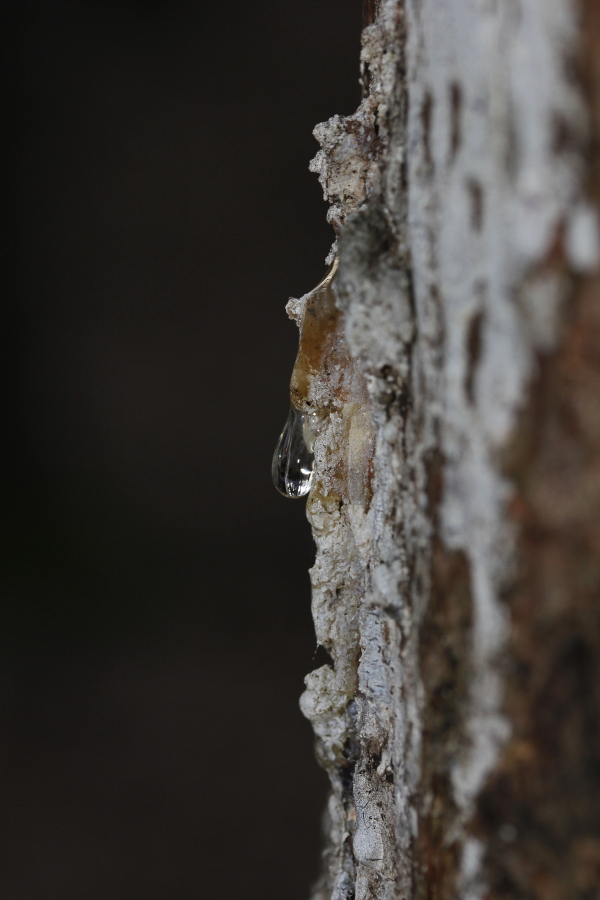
[455, 501]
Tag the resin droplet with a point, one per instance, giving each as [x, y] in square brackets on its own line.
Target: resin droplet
[292, 460]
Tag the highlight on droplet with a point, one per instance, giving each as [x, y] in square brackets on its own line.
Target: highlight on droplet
[293, 461]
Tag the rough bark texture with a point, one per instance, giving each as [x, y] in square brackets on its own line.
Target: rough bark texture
[458, 596]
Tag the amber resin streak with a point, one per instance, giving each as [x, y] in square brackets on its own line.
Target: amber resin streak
[327, 389]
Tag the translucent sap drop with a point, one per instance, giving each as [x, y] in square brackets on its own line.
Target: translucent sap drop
[292, 460]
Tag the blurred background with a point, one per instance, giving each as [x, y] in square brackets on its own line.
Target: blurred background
[155, 623]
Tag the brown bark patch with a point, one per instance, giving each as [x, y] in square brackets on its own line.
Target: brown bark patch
[541, 811]
[444, 653]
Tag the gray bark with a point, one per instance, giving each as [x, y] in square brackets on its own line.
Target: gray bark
[462, 196]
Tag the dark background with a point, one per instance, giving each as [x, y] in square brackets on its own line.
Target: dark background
[155, 625]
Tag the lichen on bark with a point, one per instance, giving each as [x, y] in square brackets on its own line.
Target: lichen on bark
[458, 197]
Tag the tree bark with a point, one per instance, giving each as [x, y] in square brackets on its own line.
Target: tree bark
[455, 500]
